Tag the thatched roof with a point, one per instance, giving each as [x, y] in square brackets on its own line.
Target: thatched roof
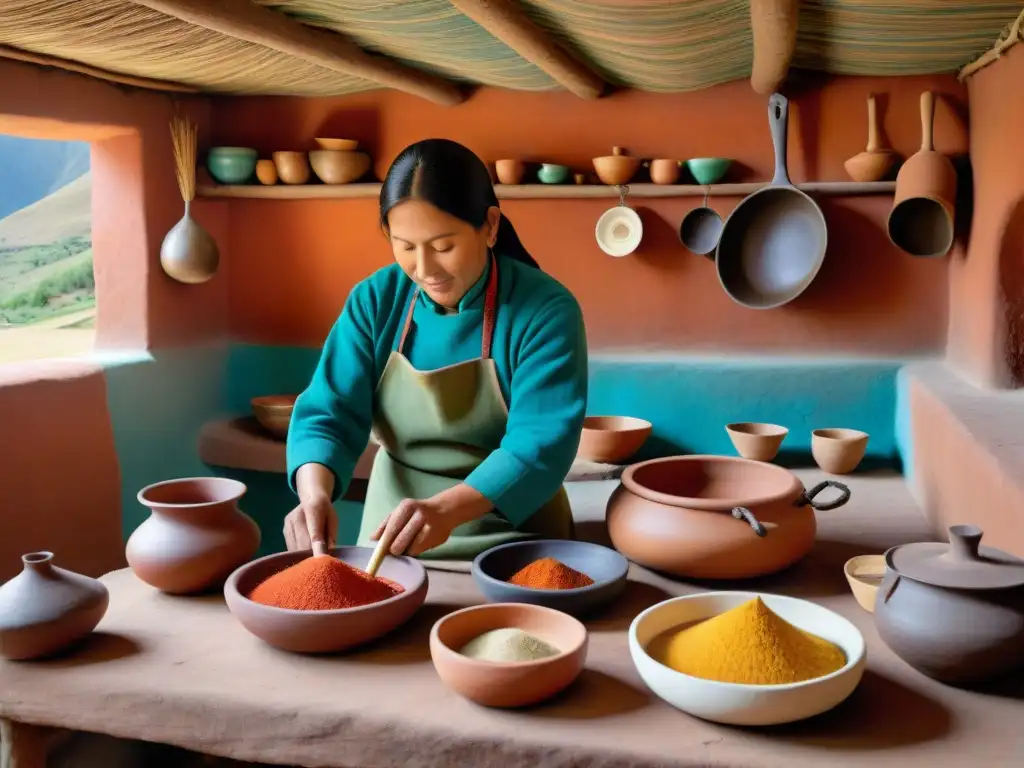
[333, 47]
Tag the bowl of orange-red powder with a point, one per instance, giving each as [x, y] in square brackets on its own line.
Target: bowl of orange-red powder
[575, 577]
[297, 602]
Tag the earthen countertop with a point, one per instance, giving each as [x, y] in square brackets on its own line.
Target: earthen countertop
[182, 671]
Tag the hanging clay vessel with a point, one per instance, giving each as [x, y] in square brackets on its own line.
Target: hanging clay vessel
[955, 611]
[715, 517]
[45, 609]
[188, 253]
[195, 537]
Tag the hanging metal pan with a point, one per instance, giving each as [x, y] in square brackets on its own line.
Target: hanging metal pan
[774, 241]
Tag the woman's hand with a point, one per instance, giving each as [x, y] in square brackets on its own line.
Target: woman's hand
[314, 519]
[421, 524]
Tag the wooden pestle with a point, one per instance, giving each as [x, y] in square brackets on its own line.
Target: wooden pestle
[379, 552]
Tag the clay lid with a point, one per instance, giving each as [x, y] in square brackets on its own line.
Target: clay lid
[961, 564]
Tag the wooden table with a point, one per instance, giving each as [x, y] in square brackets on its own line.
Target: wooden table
[181, 671]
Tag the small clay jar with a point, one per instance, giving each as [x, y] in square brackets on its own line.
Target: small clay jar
[665, 171]
[292, 167]
[266, 172]
[510, 171]
[954, 612]
[195, 537]
[45, 609]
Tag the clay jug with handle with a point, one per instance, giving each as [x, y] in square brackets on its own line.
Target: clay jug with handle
[195, 537]
[45, 609]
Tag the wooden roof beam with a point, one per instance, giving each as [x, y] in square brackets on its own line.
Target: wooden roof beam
[506, 21]
[245, 20]
[773, 24]
[45, 60]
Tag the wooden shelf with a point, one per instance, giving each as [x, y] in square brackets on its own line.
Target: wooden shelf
[541, 191]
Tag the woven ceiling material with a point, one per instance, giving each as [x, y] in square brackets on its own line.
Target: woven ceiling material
[654, 45]
[430, 34]
[120, 36]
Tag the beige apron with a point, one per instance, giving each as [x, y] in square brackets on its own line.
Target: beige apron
[435, 427]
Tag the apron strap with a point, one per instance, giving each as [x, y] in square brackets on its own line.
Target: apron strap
[490, 311]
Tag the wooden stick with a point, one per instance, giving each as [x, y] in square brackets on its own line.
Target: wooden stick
[773, 24]
[17, 54]
[507, 22]
[1013, 37]
[380, 552]
[319, 549]
[245, 20]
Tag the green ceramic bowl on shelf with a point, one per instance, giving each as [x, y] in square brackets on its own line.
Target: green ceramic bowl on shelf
[231, 165]
[548, 173]
[708, 170]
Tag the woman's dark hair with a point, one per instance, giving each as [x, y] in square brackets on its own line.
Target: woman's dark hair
[450, 177]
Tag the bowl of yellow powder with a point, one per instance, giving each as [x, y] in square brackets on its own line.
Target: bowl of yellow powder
[747, 658]
[508, 654]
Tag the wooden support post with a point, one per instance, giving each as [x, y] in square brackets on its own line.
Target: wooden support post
[23, 745]
[245, 20]
[506, 21]
[774, 25]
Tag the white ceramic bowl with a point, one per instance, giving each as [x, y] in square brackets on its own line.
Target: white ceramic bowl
[619, 231]
[737, 703]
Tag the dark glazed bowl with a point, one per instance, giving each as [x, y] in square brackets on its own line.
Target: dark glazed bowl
[325, 631]
[605, 566]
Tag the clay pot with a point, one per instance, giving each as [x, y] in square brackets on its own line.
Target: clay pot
[580, 178]
[510, 171]
[612, 439]
[715, 517]
[274, 413]
[195, 537]
[954, 612]
[864, 573]
[45, 609]
[266, 172]
[758, 442]
[334, 167]
[838, 451]
[665, 171]
[616, 169]
[292, 167]
[341, 145]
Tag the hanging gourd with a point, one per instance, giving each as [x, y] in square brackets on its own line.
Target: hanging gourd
[188, 254]
[773, 25]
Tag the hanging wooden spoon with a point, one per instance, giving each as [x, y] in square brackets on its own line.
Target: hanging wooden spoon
[874, 163]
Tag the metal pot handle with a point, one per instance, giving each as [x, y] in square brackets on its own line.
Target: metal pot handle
[742, 513]
[807, 497]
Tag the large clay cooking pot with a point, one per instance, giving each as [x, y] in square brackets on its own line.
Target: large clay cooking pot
[195, 537]
[715, 517]
[954, 612]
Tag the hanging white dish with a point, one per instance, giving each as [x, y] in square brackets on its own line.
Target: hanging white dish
[619, 230]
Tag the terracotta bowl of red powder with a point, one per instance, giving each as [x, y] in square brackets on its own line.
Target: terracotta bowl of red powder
[325, 631]
[605, 567]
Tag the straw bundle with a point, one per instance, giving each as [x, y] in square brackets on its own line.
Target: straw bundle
[184, 137]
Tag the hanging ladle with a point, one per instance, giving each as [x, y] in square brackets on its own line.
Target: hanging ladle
[701, 228]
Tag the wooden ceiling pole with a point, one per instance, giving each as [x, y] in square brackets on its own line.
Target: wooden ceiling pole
[507, 22]
[773, 24]
[245, 20]
[45, 60]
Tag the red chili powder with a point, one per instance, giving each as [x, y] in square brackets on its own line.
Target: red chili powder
[549, 573]
[323, 584]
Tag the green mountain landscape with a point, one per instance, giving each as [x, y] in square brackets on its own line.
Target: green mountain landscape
[46, 269]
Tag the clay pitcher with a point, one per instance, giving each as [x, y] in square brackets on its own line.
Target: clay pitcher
[195, 537]
[188, 253]
[921, 220]
[45, 609]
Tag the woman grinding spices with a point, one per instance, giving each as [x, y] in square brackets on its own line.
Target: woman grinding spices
[468, 362]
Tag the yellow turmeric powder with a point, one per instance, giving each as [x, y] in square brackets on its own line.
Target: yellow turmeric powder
[747, 644]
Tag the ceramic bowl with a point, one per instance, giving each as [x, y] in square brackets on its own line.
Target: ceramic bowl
[510, 171]
[292, 167]
[325, 631]
[612, 439]
[492, 570]
[274, 413]
[864, 574]
[617, 168]
[838, 451]
[664, 171]
[619, 231]
[708, 170]
[335, 167]
[231, 165]
[549, 173]
[737, 703]
[756, 441]
[341, 145]
[508, 684]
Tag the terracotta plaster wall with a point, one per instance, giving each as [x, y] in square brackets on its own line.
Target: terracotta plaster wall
[60, 428]
[986, 331]
[302, 258]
